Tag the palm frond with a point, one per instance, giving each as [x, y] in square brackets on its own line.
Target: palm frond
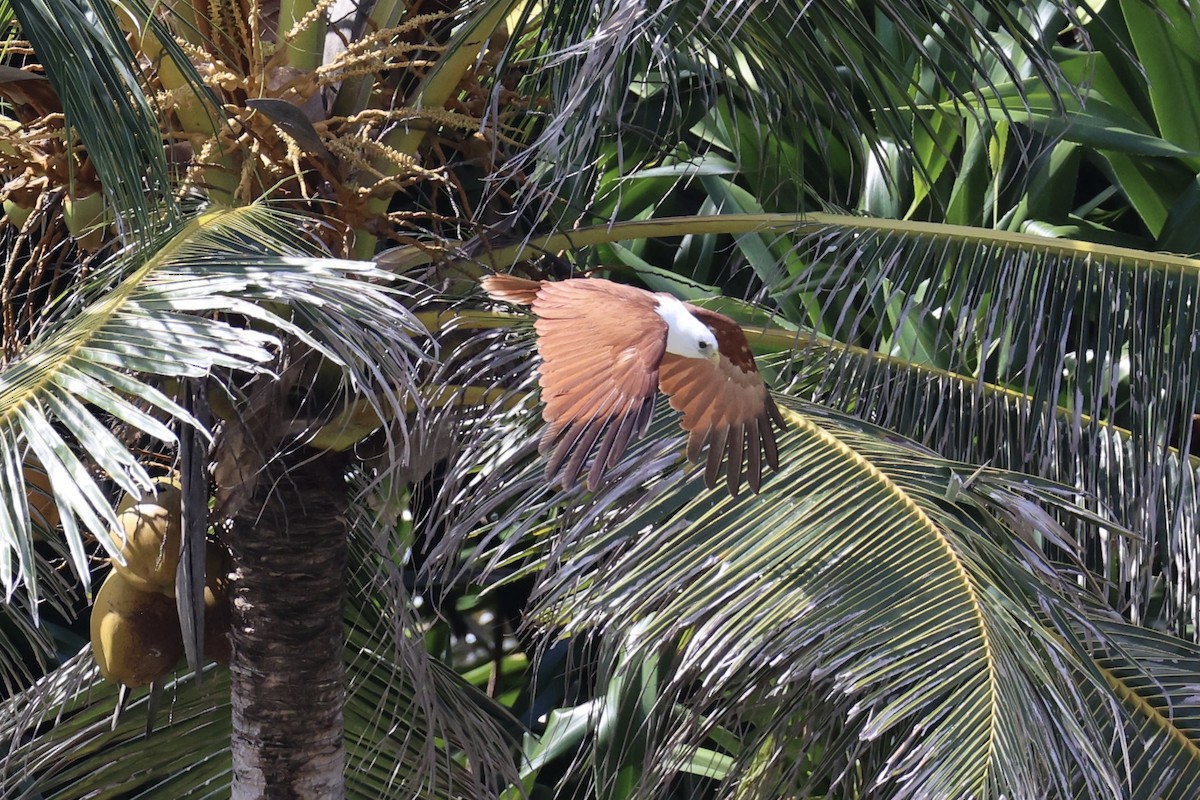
[1154, 675]
[1071, 360]
[1068, 359]
[29, 649]
[101, 351]
[45, 723]
[399, 704]
[782, 572]
[391, 668]
[490, 488]
[799, 601]
[813, 626]
[91, 67]
[810, 72]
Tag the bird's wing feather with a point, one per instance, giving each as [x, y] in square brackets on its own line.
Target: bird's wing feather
[725, 405]
[511, 289]
[601, 344]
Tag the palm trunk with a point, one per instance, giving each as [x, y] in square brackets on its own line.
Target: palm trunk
[288, 682]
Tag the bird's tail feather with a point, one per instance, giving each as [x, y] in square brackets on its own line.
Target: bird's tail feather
[511, 289]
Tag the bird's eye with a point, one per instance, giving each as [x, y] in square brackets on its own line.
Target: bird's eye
[703, 345]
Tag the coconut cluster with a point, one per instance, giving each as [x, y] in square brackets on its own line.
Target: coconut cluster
[136, 636]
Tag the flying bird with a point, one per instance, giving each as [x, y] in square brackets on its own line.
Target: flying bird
[607, 349]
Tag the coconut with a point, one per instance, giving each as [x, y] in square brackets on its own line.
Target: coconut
[135, 634]
[150, 539]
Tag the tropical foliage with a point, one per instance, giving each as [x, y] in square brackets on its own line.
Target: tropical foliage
[958, 238]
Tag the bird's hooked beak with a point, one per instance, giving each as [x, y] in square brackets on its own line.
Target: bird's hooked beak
[713, 354]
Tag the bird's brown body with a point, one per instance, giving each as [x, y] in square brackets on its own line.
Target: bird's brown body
[606, 353]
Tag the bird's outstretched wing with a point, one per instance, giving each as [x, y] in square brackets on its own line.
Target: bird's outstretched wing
[725, 405]
[601, 344]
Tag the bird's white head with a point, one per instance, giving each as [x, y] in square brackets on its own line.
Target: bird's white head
[686, 335]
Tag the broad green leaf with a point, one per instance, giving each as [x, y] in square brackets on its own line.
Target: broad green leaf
[1166, 39]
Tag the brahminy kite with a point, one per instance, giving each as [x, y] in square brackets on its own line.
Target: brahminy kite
[606, 350]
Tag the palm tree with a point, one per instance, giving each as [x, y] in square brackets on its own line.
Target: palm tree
[885, 619]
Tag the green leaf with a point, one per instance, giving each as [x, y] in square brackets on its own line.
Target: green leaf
[993, 715]
[1096, 123]
[92, 69]
[626, 717]
[566, 729]
[58, 743]
[1179, 233]
[1166, 39]
[142, 319]
[767, 255]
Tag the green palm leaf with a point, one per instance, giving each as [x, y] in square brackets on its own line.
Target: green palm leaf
[1155, 678]
[827, 74]
[870, 598]
[1032, 354]
[89, 63]
[800, 600]
[398, 700]
[1068, 359]
[93, 359]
